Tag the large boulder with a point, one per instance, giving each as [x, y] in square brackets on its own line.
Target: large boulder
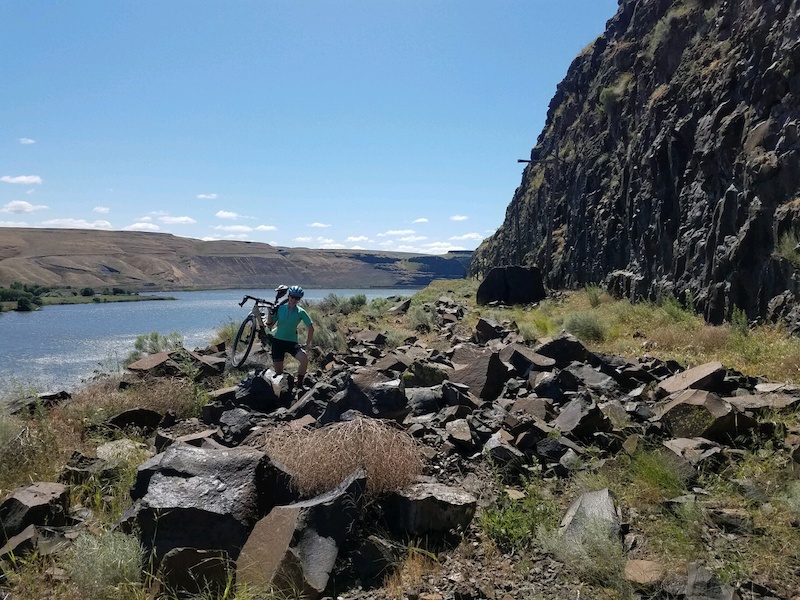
[189, 497]
[512, 285]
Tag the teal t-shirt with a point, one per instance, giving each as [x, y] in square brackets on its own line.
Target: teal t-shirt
[286, 322]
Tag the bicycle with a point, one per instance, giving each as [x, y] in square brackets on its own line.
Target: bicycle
[254, 324]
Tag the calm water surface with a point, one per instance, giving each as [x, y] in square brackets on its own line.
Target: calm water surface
[58, 347]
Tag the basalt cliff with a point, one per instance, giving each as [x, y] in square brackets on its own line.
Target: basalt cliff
[669, 163]
[139, 261]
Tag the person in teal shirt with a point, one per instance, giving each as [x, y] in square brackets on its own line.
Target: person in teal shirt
[286, 318]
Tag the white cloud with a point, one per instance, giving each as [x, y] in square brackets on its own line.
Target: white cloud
[13, 224]
[329, 244]
[19, 207]
[237, 236]
[159, 213]
[467, 236]
[357, 248]
[266, 228]
[441, 247]
[101, 209]
[397, 232]
[413, 238]
[302, 239]
[77, 224]
[234, 228]
[177, 220]
[317, 224]
[225, 214]
[421, 220]
[458, 218]
[30, 191]
[357, 238]
[26, 179]
[26, 141]
[207, 196]
[142, 226]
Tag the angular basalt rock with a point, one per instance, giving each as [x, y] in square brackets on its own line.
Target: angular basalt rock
[295, 547]
[427, 508]
[190, 497]
[41, 503]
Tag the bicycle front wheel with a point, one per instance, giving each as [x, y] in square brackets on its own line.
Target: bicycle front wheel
[243, 341]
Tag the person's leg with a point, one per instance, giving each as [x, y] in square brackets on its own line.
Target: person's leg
[278, 351]
[302, 358]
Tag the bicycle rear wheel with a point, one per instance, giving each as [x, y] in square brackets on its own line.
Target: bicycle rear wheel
[243, 342]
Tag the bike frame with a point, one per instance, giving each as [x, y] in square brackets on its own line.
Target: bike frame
[243, 342]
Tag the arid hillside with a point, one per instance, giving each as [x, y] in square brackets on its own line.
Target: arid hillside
[156, 261]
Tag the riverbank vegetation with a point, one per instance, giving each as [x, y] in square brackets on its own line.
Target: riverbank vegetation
[26, 297]
[522, 517]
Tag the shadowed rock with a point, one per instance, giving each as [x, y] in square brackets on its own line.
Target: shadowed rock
[426, 508]
[191, 572]
[697, 413]
[33, 504]
[512, 285]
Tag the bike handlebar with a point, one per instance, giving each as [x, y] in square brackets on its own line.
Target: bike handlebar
[258, 300]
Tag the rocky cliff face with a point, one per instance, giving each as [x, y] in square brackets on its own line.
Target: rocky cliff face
[670, 161]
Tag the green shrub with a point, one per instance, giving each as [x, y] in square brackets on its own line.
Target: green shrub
[153, 343]
[512, 524]
[676, 313]
[788, 248]
[586, 326]
[103, 567]
[593, 294]
[24, 304]
[609, 98]
[420, 319]
[739, 322]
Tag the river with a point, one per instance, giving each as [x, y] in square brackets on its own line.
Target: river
[59, 347]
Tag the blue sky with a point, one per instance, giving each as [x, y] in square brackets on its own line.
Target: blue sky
[376, 124]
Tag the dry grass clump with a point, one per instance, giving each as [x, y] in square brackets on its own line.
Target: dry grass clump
[101, 399]
[412, 572]
[320, 459]
[27, 451]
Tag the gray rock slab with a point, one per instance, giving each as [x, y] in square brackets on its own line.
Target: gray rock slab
[703, 377]
[295, 547]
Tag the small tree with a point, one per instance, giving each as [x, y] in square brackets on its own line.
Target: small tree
[24, 304]
[87, 291]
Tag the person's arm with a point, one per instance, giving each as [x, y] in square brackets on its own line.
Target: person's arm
[310, 336]
[272, 315]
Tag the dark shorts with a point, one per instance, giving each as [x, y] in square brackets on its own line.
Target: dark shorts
[281, 347]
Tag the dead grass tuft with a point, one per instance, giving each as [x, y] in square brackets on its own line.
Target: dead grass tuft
[412, 572]
[320, 459]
